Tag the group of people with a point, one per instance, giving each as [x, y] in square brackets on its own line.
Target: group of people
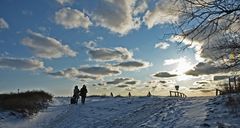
[77, 93]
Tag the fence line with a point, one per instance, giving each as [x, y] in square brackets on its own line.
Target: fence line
[177, 94]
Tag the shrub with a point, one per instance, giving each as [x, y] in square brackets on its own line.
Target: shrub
[28, 103]
[233, 103]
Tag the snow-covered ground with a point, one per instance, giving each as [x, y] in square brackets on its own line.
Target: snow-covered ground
[135, 112]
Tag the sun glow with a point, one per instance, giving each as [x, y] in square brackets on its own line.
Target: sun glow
[183, 66]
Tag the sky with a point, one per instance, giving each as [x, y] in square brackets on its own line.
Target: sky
[109, 45]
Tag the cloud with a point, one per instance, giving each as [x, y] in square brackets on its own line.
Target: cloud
[46, 47]
[99, 71]
[164, 74]
[173, 61]
[20, 63]
[202, 82]
[133, 65]
[207, 90]
[106, 54]
[161, 14]
[140, 7]
[203, 69]
[222, 77]
[131, 82]
[3, 24]
[162, 81]
[62, 2]
[162, 45]
[85, 76]
[116, 15]
[86, 72]
[72, 18]
[122, 86]
[72, 73]
[197, 88]
[118, 80]
[181, 65]
[100, 84]
[90, 44]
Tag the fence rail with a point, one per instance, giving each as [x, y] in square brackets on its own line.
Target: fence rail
[177, 94]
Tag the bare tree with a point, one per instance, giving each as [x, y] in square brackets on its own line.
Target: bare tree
[216, 23]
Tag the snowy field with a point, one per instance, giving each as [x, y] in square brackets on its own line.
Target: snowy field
[135, 112]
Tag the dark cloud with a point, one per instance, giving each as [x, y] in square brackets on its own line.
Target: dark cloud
[162, 81]
[97, 70]
[131, 82]
[165, 85]
[20, 63]
[207, 90]
[164, 74]
[100, 84]
[106, 54]
[84, 76]
[196, 88]
[85, 72]
[202, 82]
[204, 69]
[223, 77]
[133, 65]
[122, 86]
[118, 80]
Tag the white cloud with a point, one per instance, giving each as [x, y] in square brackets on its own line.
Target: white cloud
[181, 65]
[46, 47]
[163, 13]
[3, 24]
[116, 15]
[162, 45]
[62, 2]
[72, 18]
[20, 63]
[133, 65]
[172, 61]
[106, 54]
[197, 45]
[140, 7]
[90, 44]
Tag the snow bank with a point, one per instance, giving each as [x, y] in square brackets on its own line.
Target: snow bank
[134, 112]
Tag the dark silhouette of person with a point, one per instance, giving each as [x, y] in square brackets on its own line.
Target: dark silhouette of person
[83, 93]
[149, 94]
[76, 94]
[129, 94]
[111, 94]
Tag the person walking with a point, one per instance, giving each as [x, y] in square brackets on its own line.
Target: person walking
[83, 93]
[75, 95]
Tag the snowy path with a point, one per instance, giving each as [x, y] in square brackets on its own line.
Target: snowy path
[194, 114]
[137, 112]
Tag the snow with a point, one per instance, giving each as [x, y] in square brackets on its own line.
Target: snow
[124, 112]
